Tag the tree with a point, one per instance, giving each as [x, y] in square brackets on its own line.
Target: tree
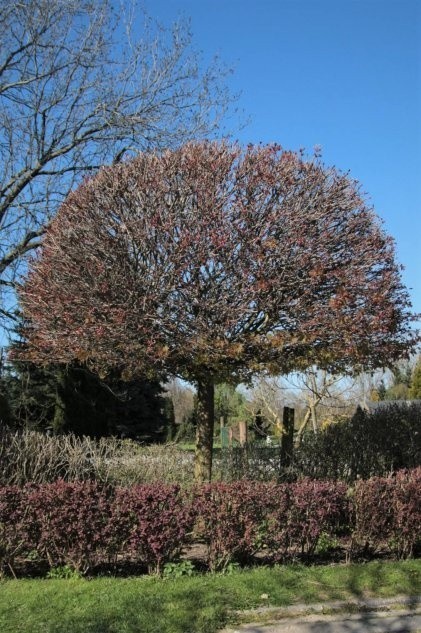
[212, 263]
[80, 88]
[230, 404]
[266, 404]
[415, 390]
[62, 399]
[328, 397]
[182, 397]
[398, 382]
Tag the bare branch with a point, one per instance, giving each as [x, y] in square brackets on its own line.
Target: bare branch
[79, 89]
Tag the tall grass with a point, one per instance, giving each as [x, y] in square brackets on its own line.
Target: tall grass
[32, 456]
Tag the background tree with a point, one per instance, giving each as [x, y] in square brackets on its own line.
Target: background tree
[212, 262]
[85, 83]
[267, 399]
[182, 398]
[415, 390]
[328, 397]
[316, 396]
[63, 399]
[230, 404]
[395, 383]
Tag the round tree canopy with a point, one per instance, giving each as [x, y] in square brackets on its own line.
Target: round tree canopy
[213, 260]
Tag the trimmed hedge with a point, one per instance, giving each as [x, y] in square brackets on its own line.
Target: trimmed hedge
[307, 509]
[83, 524]
[389, 510]
[68, 522]
[367, 445]
[149, 524]
[229, 520]
[237, 520]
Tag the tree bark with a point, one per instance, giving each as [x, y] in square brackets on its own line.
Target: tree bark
[204, 430]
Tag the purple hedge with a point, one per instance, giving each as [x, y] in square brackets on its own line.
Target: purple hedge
[82, 524]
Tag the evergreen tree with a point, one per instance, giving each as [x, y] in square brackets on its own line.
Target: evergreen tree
[381, 391]
[71, 398]
[230, 404]
[399, 389]
[415, 390]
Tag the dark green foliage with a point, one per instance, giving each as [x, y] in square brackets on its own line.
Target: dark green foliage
[368, 444]
[63, 399]
[230, 404]
[169, 416]
[30, 395]
[400, 386]
[415, 390]
[140, 410]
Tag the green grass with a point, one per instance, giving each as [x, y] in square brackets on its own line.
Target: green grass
[188, 605]
[191, 446]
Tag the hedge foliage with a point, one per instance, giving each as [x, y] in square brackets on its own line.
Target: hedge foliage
[369, 444]
[389, 510]
[83, 524]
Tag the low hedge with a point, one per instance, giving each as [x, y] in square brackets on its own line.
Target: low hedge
[389, 510]
[82, 524]
[370, 444]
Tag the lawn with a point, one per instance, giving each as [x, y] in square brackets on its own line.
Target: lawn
[195, 604]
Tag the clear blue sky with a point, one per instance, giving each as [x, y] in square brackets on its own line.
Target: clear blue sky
[342, 74]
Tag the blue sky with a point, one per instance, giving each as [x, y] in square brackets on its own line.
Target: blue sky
[342, 74]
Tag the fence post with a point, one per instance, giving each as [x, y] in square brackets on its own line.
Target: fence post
[287, 441]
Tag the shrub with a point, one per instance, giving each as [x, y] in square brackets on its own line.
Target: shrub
[12, 521]
[71, 520]
[317, 506]
[134, 464]
[388, 512]
[299, 513]
[229, 519]
[150, 523]
[76, 525]
[276, 537]
[407, 512]
[256, 462]
[367, 445]
[31, 456]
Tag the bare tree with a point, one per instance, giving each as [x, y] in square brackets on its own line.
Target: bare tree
[182, 398]
[79, 87]
[315, 394]
[323, 392]
[267, 399]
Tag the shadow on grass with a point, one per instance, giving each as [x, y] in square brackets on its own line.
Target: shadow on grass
[139, 614]
[191, 605]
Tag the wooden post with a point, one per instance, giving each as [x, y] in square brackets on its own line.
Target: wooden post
[287, 441]
[242, 426]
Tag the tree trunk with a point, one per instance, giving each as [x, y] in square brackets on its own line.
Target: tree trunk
[204, 430]
[313, 417]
